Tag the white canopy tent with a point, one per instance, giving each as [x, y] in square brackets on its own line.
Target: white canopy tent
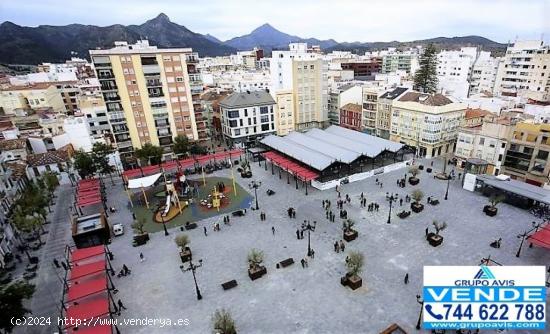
[141, 183]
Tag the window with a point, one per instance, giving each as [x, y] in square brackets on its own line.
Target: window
[264, 110]
[179, 79]
[481, 141]
[233, 123]
[246, 113]
[265, 127]
[237, 132]
[264, 119]
[543, 155]
[232, 114]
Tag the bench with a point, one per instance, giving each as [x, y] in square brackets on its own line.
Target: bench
[229, 285]
[190, 226]
[434, 202]
[285, 263]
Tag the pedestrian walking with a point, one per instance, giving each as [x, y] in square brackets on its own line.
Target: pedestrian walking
[303, 263]
[336, 248]
[120, 305]
[126, 270]
[273, 229]
[64, 265]
[297, 234]
[407, 278]
[342, 246]
[381, 185]
[56, 263]
[205, 233]
[427, 231]
[312, 253]
[301, 234]
[141, 257]
[400, 202]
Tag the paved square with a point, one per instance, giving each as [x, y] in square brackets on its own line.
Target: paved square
[311, 300]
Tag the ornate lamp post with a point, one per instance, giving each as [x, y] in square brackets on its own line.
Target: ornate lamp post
[391, 199]
[192, 267]
[255, 185]
[309, 228]
[159, 212]
[421, 302]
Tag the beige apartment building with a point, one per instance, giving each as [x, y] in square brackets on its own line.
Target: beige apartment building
[284, 112]
[383, 111]
[149, 94]
[35, 96]
[426, 122]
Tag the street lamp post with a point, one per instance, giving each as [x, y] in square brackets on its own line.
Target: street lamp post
[421, 302]
[192, 268]
[309, 228]
[255, 185]
[159, 212]
[391, 199]
[522, 236]
[448, 181]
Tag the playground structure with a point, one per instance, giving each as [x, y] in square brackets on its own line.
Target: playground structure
[178, 191]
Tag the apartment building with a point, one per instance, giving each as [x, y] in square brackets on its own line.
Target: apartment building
[369, 112]
[340, 96]
[427, 122]
[284, 112]
[33, 96]
[525, 71]
[151, 94]
[304, 72]
[383, 113]
[394, 61]
[351, 116]
[247, 116]
[366, 68]
[95, 111]
[527, 153]
[485, 141]
[484, 73]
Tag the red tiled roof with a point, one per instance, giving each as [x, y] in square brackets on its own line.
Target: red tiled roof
[48, 158]
[352, 107]
[475, 113]
[12, 144]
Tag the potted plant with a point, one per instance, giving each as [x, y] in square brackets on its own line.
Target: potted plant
[434, 238]
[182, 241]
[255, 268]
[491, 209]
[354, 264]
[140, 237]
[417, 196]
[349, 233]
[245, 170]
[223, 322]
[414, 171]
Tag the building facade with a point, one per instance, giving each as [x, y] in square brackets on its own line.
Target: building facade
[426, 122]
[247, 117]
[149, 94]
[369, 111]
[351, 116]
[383, 119]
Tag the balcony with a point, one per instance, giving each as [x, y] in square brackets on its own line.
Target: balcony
[155, 92]
[164, 133]
[111, 97]
[192, 58]
[153, 83]
[124, 143]
[108, 86]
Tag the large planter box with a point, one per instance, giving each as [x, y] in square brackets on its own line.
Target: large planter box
[421, 167]
[404, 214]
[141, 239]
[434, 239]
[428, 170]
[355, 282]
[350, 235]
[257, 272]
[413, 181]
[491, 212]
[190, 226]
[417, 207]
[186, 255]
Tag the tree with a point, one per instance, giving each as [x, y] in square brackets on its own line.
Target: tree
[414, 171]
[425, 78]
[28, 223]
[150, 153]
[347, 225]
[11, 303]
[100, 156]
[196, 149]
[223, 322]
[255, 258]
[181, 145]
[417, 195]
[355, 262]
[50, 181]
[182, 241]
[439, 226]
[495, 199]
[84, 164]
[139, 225]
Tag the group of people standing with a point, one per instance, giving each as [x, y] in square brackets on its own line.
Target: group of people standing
[339, 246]
[291, 213]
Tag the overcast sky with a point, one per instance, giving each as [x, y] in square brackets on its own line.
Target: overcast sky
[342, 20]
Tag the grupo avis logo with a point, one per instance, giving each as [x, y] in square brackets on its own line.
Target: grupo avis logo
[484, 273]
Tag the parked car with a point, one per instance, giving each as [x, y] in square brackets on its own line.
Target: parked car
[118, 229]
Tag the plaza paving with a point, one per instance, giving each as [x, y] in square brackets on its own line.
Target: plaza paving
[296, 300]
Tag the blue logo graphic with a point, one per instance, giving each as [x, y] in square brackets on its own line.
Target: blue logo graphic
[484, 273]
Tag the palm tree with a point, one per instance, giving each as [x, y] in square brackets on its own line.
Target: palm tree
[414, 171]
[139, 225]
[417, 195]
[354, 263]
[495, 199]
[223, 322]
[182, 241]
[347, 225]
[255, 258]
[439, 226]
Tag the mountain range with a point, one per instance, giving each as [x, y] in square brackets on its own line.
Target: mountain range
[46, 43]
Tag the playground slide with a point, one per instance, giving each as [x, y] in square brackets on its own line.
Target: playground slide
[167, 205]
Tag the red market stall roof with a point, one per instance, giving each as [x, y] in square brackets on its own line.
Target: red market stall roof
[78, 271]
[86, 253]
[101, 329]
[79, 290]
[89, 308]
[541, 238]
[182, 163]
[301, 172]
[88, 201]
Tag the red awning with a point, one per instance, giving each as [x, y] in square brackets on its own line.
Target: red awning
[92, 307]
[78, 271]
[85, 253]
[101, 329]
[82, 289]
[541, 237]
[302, 172]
